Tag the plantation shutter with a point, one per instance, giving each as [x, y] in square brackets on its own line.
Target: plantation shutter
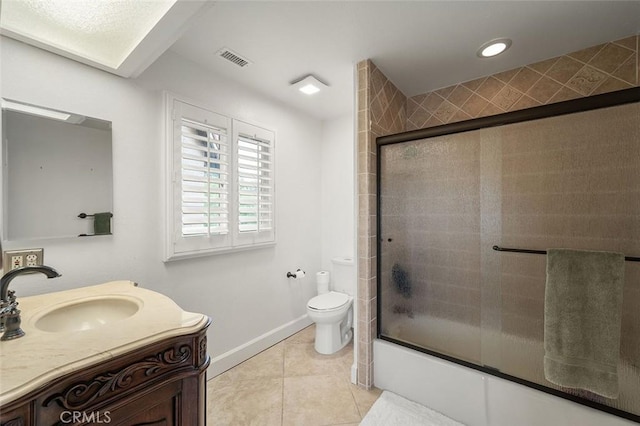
[220, 183]
[255, 182]
[205, 179]
[202, 179]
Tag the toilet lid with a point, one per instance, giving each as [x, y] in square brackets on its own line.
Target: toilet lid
[331, 300]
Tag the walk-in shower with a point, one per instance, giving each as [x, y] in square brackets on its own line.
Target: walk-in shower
[466, 212]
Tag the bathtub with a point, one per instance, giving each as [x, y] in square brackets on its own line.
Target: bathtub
[474, 397]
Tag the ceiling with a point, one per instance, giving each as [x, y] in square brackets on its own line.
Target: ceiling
[122, 37]
[419, 45]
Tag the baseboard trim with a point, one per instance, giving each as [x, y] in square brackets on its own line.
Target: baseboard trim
[354, 373]
[235, 356]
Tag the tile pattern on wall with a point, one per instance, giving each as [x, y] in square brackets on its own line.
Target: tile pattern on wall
[604, 68]
[386, 105]
[431, 233]
[580, 191]
[599, 69]
[565, 181]
[381, 111]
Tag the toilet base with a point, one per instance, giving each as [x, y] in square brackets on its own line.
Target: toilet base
[329, 339]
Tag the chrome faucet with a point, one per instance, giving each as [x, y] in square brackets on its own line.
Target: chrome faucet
[9, 312]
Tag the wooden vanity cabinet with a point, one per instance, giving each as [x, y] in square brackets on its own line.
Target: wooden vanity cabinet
[20, 416]
[162, 384]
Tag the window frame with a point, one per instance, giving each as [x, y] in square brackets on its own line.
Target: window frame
[180, 246]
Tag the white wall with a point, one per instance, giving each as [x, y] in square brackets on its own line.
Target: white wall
[338, 189]
[247, 294]
[35, 76]
[338, 195]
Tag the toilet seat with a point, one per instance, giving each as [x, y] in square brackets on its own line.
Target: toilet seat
[328, 301]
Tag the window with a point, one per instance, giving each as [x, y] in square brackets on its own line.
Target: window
[220, 180]
[254, 177]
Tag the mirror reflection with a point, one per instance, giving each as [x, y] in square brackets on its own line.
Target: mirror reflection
[57, 173]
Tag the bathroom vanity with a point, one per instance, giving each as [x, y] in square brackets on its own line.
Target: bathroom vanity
[108, 354]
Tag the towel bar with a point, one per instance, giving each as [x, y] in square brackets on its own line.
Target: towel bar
[517, 250]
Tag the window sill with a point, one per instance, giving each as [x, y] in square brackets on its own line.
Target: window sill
[226, 250]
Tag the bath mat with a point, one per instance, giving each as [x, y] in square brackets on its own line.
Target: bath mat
[393, 410]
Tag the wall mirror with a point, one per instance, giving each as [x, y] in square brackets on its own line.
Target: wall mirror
[57, 173]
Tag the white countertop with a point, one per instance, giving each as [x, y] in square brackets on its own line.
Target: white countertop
[39, 357]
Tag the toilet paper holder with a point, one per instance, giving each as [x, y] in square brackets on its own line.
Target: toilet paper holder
[297, 274]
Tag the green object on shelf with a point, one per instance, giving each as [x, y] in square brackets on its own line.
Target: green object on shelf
[102, 223]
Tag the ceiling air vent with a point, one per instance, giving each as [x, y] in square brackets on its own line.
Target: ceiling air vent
[232, 56]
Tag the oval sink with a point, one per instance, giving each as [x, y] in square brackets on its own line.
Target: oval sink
[87, 314]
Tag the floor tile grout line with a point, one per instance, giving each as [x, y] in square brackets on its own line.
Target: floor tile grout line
[337, 371]
[282, 394]
[355, 402]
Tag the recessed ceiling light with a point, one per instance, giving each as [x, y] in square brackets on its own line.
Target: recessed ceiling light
[309, 85]
[493, 47]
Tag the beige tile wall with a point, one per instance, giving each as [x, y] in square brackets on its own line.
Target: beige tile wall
[566, 181]
[431, 232]
[383, 109]
[599, 69]
[581, 192]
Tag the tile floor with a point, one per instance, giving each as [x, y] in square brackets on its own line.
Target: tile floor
[289, 384]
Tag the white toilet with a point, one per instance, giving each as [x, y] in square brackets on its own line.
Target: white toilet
[332, 310]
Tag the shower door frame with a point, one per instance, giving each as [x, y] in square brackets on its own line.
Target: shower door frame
[605, 100]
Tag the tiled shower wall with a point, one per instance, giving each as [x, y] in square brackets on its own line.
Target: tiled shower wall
[383, 109]
[604, 68]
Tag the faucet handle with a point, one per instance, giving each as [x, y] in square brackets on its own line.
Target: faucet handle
[5, 308]
[10, 318]
[9, 306]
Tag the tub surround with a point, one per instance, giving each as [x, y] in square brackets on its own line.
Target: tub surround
[40, 357]
[383, 110]
[488, 400]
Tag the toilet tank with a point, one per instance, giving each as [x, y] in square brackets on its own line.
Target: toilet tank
[343, 276]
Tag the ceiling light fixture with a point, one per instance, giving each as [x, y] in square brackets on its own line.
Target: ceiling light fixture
[493, 47]
[34, 110]
[309, 85]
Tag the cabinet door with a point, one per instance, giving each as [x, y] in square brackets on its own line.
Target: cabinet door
[159, 415]
[17, 417]
[160, 407]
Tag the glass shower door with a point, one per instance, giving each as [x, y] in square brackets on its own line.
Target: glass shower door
[569, 181]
